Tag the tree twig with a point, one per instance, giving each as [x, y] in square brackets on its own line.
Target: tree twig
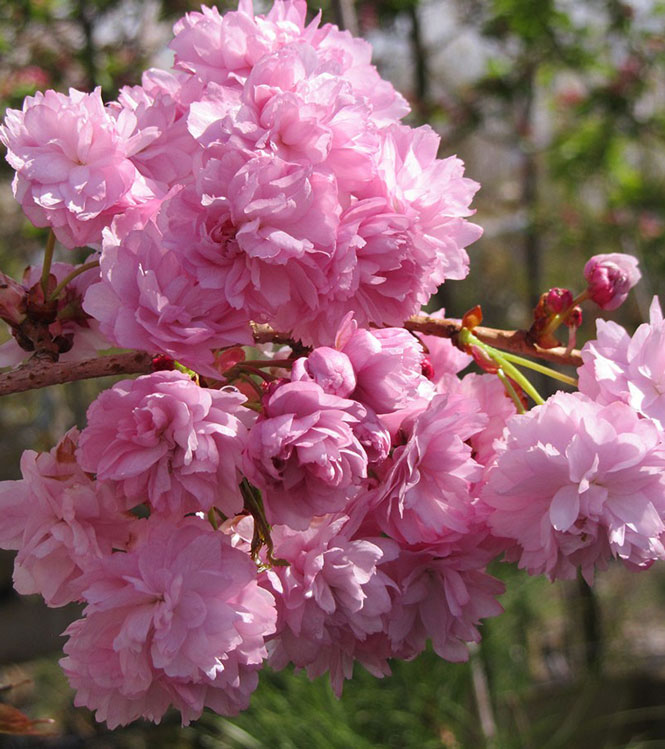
[37, 373]
[515, 341]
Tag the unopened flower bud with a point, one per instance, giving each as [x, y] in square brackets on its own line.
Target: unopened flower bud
[330, 368]
[610, 278]
[162, 363]
[427, 368]
[558, 300]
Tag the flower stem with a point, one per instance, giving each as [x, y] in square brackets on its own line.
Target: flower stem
[254, 505]
[71, 277]
[48, 259]
[249, 369]
[540, 368]
[255, 386]
[519, 378]
[508, 385]
[469, 339]
[559, 318]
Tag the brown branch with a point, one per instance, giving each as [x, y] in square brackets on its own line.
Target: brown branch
[37, 373]
[514, 341]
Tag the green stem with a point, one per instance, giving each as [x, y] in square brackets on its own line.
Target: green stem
[253, 406]
[518, 377]
[508, 385]
[48, 259]
[254, 504]
[466, 337]
[71, 277]
[515, 359]
[212, 518]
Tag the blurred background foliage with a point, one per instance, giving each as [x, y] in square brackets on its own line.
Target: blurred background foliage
[558, 109]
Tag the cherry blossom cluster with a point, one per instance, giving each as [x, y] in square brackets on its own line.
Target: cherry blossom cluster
[331, 498]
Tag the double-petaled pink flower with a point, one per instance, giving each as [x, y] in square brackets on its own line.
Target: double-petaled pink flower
[71, 157]
[169, 442]
[576, 483]
[179, 619]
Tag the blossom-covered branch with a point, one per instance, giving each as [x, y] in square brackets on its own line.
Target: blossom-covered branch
[333, 503]
[37, 374]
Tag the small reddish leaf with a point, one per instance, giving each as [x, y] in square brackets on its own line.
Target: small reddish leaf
[472, 317]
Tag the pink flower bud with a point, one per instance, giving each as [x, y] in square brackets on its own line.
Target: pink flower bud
[557, 300]
[427, 368]
[610, 278]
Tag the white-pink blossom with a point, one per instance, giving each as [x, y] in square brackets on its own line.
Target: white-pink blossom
[576, 483]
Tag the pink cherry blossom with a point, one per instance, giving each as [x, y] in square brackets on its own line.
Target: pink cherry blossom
[179, 619]
[225, 49]
[60, 521]
[405, 235]
[434, 194]
[297, 105]
[629, 369]
[168, 441]
[330, 598]
[602, 376]
[160, 106]
[258, 230]
[426, 495]
[304, 454]
[493, 402]
[442, 596]
[576, 483]
[330, 368]
[146, 299]
[387, 364]
[71, 158]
